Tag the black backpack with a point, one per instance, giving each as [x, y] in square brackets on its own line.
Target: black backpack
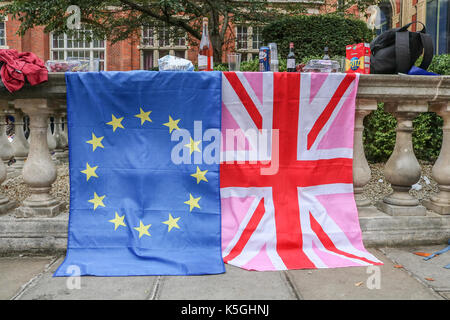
[396, 50]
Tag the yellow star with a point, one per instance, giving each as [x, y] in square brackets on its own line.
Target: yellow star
[172, 223]
[97, 201]
[118, 221]
[96, 142]
[200, 175]
[144, 116]
[90, 172]
[193, 145]
[172, 124]
[143, 229]
[116, 123]
[193, 202]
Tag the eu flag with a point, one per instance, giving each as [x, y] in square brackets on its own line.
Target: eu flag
[144, 195]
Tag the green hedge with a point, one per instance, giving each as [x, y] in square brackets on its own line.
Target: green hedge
[379, 127]
[312, 33]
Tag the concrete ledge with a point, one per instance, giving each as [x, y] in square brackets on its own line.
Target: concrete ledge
[379, 229]
[33, 234]
[383, 230]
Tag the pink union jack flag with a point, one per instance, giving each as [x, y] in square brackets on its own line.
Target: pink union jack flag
[286, 172]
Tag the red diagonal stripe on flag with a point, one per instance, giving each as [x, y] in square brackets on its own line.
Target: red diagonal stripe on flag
[328, 243]
[245, 98]
[326, 113]
[247, 233]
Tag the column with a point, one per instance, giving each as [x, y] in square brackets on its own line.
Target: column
[39, 171]
[59, 138]
[20, 144]
[402, 169]
[440, 202]
[5, 203]
[6, 150]
[361, 169]
[51, 141]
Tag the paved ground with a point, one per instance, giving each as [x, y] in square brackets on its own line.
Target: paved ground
[403, 276]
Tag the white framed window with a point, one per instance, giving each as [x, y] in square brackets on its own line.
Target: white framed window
[158, 40]
[256, 37]
[248, 41]
[2, 32]
[241, 37]
[77, 47]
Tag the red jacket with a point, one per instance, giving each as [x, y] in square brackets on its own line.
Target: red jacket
[18, 65]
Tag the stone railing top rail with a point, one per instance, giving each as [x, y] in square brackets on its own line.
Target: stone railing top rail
[382, 88]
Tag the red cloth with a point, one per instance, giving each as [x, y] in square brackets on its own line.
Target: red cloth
[18, 65]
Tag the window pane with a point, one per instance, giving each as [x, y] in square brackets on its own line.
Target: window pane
[163, 35]
[148, 59]
[241, 37]
[256, 40]
[147, 36]
[179, 54]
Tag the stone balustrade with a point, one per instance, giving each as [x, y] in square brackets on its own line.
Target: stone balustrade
[398, 216]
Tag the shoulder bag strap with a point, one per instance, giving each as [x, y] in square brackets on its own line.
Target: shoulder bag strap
[402, 54]
[428, 50]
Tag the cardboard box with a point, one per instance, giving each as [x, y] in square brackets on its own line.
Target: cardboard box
[357, 58]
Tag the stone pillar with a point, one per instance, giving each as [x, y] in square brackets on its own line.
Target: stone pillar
[20, 144]
[440, 202]
[65, 135]
[39, 171]
[59, 138]
[51, 141]
[6, 150]
[402, 169]
[361, 169]
[5, 203]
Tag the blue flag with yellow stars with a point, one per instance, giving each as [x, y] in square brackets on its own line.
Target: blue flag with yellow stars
[144, 173]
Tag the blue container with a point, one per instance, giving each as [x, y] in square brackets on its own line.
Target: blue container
[264, 59]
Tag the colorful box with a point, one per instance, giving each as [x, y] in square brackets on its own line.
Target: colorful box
[357, 58]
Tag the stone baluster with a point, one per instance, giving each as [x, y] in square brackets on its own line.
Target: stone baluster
[65, 133]
[20, 143]
[6, 150]
[59, 139]
[51, 141]
[39, 171]
[440, 202]
[5, 153]
[402, 169]
[5, 203]
[361, 169]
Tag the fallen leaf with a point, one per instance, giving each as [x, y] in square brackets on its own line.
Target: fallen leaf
[429, 279]
[422, 254]
[358, 284]
[398, 266]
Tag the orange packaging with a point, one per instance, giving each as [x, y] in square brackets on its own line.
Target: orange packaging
[357, 59]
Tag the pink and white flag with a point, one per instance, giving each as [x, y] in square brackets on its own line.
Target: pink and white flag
[286, 172]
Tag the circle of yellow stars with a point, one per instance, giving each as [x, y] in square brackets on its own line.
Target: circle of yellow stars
[90, 172]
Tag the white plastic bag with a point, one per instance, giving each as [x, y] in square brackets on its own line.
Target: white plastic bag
[172, 63]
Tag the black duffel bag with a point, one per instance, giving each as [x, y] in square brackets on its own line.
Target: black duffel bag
[396, 50]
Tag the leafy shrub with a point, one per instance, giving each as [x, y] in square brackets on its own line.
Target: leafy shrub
[379, 127]
[311, 33]
[379, 135]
